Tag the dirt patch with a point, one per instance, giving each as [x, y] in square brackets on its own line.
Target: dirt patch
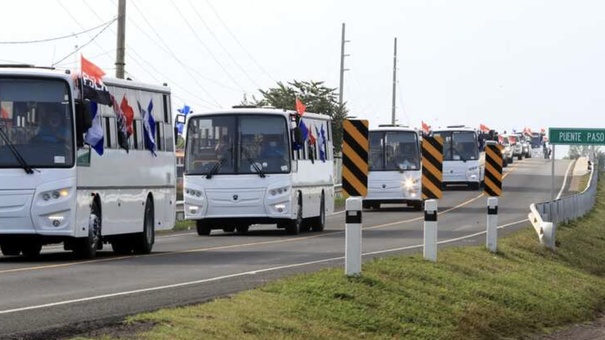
[586, 331]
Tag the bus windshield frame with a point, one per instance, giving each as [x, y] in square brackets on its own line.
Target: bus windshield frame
[459, 145]
[237, 144]
[394, 151]
[37, 121]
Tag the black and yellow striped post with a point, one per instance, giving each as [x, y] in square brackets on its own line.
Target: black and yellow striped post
[355, 158]
[493, 170]
[432, 167]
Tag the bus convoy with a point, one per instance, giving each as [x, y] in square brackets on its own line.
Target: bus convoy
[241, 167]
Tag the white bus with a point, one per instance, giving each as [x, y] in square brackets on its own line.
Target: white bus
[395, 167]
[62, 190]
[246, 166]
[463, 156]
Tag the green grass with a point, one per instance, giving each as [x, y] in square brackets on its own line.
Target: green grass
[468, 293]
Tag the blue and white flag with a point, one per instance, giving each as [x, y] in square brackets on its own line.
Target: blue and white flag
[321, 138]
[184, 111]
[148, 127]
[94, 135]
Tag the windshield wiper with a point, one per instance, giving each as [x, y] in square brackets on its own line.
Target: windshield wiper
[215, 168]
[252, 162]
[28, 169]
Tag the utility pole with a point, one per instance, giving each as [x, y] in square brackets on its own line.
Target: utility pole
[342, 64]
[121, 39]
[394, 82]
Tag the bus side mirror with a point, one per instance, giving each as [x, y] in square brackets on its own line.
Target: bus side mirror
[83, 121]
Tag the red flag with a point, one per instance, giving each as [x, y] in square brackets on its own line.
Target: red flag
[3, 113]
[300, 107]
[311, 137]
[128, 113]
[91, 70]
[426, 128]
[483, 128]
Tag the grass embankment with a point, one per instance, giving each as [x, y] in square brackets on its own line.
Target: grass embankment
[468, 293]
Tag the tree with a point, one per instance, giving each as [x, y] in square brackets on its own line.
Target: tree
[576, 151]
[316, 97]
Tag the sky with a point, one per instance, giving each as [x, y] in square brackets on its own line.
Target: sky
[505, 64]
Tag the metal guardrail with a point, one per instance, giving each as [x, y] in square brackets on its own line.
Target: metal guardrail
[546, 215]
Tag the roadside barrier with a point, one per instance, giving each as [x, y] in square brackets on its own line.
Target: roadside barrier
[546, 215]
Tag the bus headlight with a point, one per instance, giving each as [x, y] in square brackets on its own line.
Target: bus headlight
[410, 184]
[54, 194]
[278, 191]
[193, 193]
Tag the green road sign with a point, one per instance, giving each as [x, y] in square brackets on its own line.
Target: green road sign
[573, 136]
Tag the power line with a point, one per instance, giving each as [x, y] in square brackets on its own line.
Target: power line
[81, 47]
[171, 53]
[139, 57]
[54, 38]
[206, 47]
[79, 24]
[237, 41]
[223, 47]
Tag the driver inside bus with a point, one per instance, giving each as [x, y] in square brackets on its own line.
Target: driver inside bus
[407, 157]
[272, 152]
[53, 125]
[223, 149]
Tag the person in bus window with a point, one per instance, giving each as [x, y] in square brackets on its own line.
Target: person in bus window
[407, 157]
[272, 154]
[53, 125]
[271, 148]
[223, 149]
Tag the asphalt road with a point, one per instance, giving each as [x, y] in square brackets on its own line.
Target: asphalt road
[56, 292]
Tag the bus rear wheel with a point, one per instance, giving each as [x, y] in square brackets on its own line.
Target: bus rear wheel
[144, 241]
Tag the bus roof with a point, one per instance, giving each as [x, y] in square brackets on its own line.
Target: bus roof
[32, 71]
[266, 111]
[394, 128]
[68, 75]
[455, 128]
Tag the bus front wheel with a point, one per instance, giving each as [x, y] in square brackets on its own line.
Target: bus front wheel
[10, 249]
[320, 221]
[203, 228]
[295, 226]
[86, 247]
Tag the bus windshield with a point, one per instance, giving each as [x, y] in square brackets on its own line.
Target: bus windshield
[394, 150]
[36, 123]
[237, 144]
[459, 145]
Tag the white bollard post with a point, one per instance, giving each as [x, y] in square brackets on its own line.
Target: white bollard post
[430, 230]
[491, 240]
[353, 236]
